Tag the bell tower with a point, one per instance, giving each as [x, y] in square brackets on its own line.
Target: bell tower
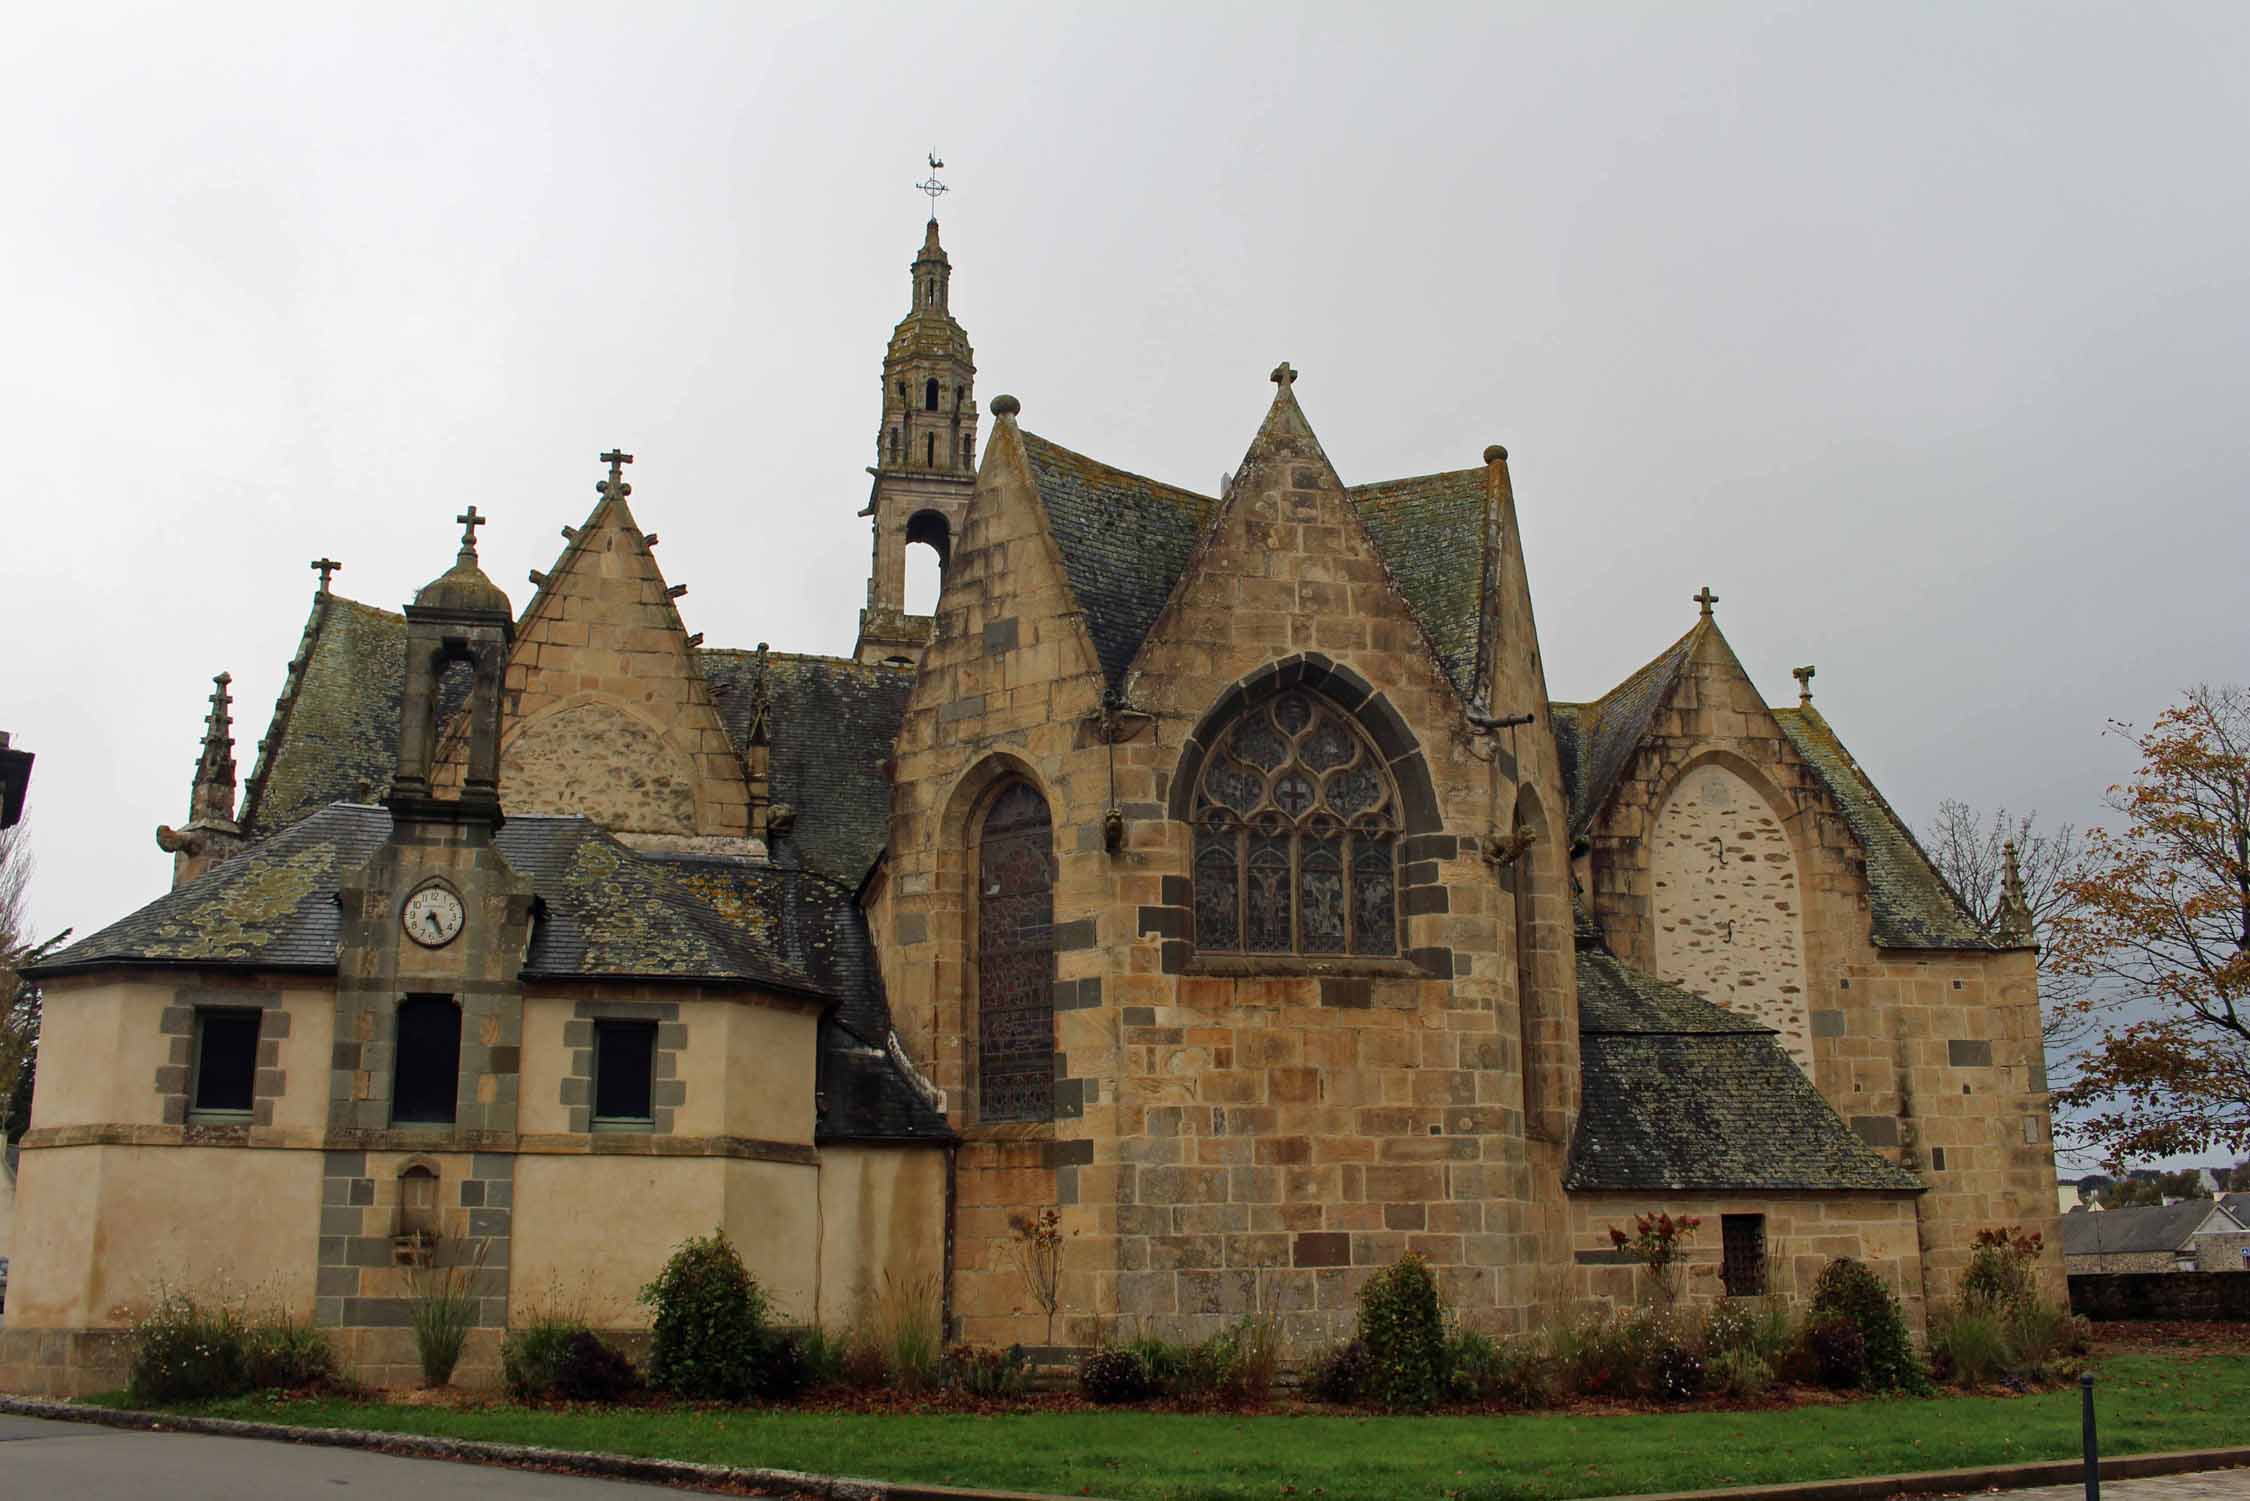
[925, 465]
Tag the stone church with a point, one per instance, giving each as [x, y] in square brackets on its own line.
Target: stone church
[1214, 868]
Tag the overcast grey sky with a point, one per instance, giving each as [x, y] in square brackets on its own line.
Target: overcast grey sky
[1917, 332]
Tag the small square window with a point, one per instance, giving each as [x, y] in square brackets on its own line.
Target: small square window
[226, 1062]
[1742, 1254]
[624, 1072]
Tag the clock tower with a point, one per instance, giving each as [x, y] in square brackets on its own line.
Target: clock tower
[429, 1007]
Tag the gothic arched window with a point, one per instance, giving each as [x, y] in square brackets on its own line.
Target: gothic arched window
[1296, 836]
[1016, 958]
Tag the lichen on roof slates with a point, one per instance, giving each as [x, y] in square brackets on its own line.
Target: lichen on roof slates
[1596, 742]
[1430, 532]
[1681, 1095]
[1911, 906]
[831, 728]
[1125, 540]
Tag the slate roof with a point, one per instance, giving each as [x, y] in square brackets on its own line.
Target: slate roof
[1430, 531]
[815, 925]
[831, 726]
[1124, 541]
[605, 911]
[2144, 1228]
[1595, 742]
[1681, 1095]
[1912, 907]
[334, 734]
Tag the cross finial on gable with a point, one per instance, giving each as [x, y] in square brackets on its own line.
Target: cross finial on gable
[325, 567]
[1706, 599]
[1284, 374]
[470, 521]
[1804, 677]
[615, 487]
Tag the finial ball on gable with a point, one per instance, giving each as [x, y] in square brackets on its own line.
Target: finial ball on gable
[1005, 406]
[1496, 455]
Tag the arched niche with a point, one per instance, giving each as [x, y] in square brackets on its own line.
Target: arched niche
[1726, 897]
[1014, 903]
[590, 756]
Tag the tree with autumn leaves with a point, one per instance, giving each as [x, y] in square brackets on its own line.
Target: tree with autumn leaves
[2159, 922]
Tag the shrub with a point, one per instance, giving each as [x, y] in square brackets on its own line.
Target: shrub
[709, 1335]
[1852, 1289]
[1660, 1243]
[1113, 1374]
[1344, 1374]
[185, 1351]
[1675, 1372]
[1402, 1322]
[783, 1370]
[1499, 1373]
[1612, 1353]
[592, 1370]
[1839, 1351]
[280, 1354]
[1235, 1367]
[2043, 1332]
[988, 1373]
[826, 1358]
[1741, 1373]
[531, 1356]
[2002, 1268]
[1969, 1343]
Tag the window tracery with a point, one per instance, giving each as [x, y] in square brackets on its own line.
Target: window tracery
[1016, 959]
[1296, 836]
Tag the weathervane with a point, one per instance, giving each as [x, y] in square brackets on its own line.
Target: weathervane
[930, 184]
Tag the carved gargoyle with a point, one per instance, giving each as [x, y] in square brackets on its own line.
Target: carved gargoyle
[1507, 849]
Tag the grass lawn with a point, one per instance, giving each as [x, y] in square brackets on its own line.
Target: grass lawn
[2147, 1402]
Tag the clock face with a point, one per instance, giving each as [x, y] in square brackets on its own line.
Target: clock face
[433, 916]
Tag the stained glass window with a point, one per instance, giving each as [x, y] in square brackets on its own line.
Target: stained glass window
[1296, 836]
[1016, 959]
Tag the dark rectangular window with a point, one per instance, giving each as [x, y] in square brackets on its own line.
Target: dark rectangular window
[428, 1077]
[624, 1070]
[226, 1061]
[1742, 1254]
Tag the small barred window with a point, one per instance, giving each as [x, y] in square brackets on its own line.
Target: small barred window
[1742, 1254]
[1296, 836]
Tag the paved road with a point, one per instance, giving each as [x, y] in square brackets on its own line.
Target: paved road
[39, 1458]
[2205, 1485]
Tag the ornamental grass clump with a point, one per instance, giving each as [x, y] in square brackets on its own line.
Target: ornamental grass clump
[442, 1307]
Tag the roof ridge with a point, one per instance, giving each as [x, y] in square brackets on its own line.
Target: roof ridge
[1146, 479]
[292, 682]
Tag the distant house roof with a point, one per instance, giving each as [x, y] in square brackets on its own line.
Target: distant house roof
[2145, 1228]
[1684, 1095]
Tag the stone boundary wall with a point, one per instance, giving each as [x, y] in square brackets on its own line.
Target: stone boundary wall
[2161, 1295]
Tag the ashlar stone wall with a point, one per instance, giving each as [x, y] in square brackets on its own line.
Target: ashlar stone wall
[1230, 1136]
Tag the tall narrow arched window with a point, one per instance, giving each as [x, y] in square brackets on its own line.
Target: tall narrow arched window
[930, 395]
[1296, 836]
[929, 449]
[1016, 958]
[968, 452]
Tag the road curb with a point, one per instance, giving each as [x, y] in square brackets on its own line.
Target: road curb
[734, 1479]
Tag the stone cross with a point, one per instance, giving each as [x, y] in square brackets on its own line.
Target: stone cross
[615, 486]
[1707, 599]
[1804, 677]
[470, 521]
[1283, 374]
[324, 567]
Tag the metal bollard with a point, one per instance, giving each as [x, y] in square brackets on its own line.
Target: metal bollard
[2093, 1450]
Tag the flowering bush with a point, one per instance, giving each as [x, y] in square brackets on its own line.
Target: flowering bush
[1660, 1243]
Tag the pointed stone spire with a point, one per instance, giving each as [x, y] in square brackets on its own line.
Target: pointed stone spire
[213, 796]
[211, 834]
[2012, 920]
